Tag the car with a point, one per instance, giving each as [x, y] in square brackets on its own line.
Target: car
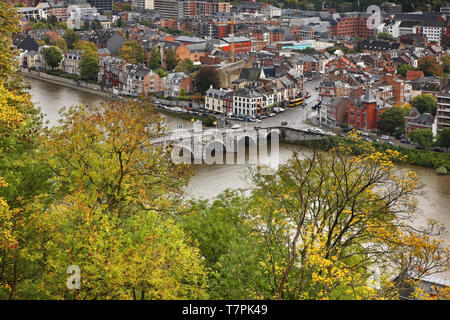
[307, 95]
[385, 137]
[419, 147]
[390, 143]
[283, 123]
[188, 108]
[272, 115]
[258, 121]
[281, 109]
[366, 139]
[404, 141]
[376, 140]
[320, 131]
[437, 149]
[235, 126]
[365, 134]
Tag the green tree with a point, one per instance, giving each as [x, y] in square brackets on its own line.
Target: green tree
[430, 66]
[424, 103]
[403, 68]
[71, 37]
[392, 120]
[444, 138]
[120, 22]
[385, 36]
[206, 77]
[132, 52]
[52, 56]
[423, 137]
[186, 66]
[170, 59]
[89, 64]
[154, 62]
[445, 61]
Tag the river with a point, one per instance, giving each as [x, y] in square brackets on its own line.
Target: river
[210, 180]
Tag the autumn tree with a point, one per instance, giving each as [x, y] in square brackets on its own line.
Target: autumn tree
[430, 66]
[22, 176]
[206, 77]
[132, 52]
[61, 44]
[316, 229]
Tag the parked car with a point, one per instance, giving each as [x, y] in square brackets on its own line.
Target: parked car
[385, 137]
[404, 140]
[283, 123]
[307, 95]
[235, 126]
[258, 121]
[366, 139]
[376, 140]
[272, 115]
[188, 108]
[390, 143]
[437, 149]
[365, 134]
[419, 147]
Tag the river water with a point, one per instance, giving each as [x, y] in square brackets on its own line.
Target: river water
[210, 180]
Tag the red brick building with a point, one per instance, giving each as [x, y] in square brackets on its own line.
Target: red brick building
[364, 113]
[352, 25]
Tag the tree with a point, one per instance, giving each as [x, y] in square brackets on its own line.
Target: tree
[96, 25]
[444, 138]
[423, 137]
[303, 233]
[385, 36]
[403, 68]
[392, 121]
[154, 62]
[71, 37]
[445, 61]
[186, 66]
[89, 64]
[126, 7]
[430, 66]
[206, 77]
[22, 175]
[61, 44]
[170, 59]
[120, 22]
[52, 56]
[132, 52]
[424, 103]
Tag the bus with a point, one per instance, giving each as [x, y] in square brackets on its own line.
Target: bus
[296, 102]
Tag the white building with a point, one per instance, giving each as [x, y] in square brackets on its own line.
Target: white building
[247, 102]
[143, 4]
[392, 28]
[433, 30]
[214, 99]
[271, 11]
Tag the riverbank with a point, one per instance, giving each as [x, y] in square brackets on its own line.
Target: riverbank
[91, 89]
[422, 158]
